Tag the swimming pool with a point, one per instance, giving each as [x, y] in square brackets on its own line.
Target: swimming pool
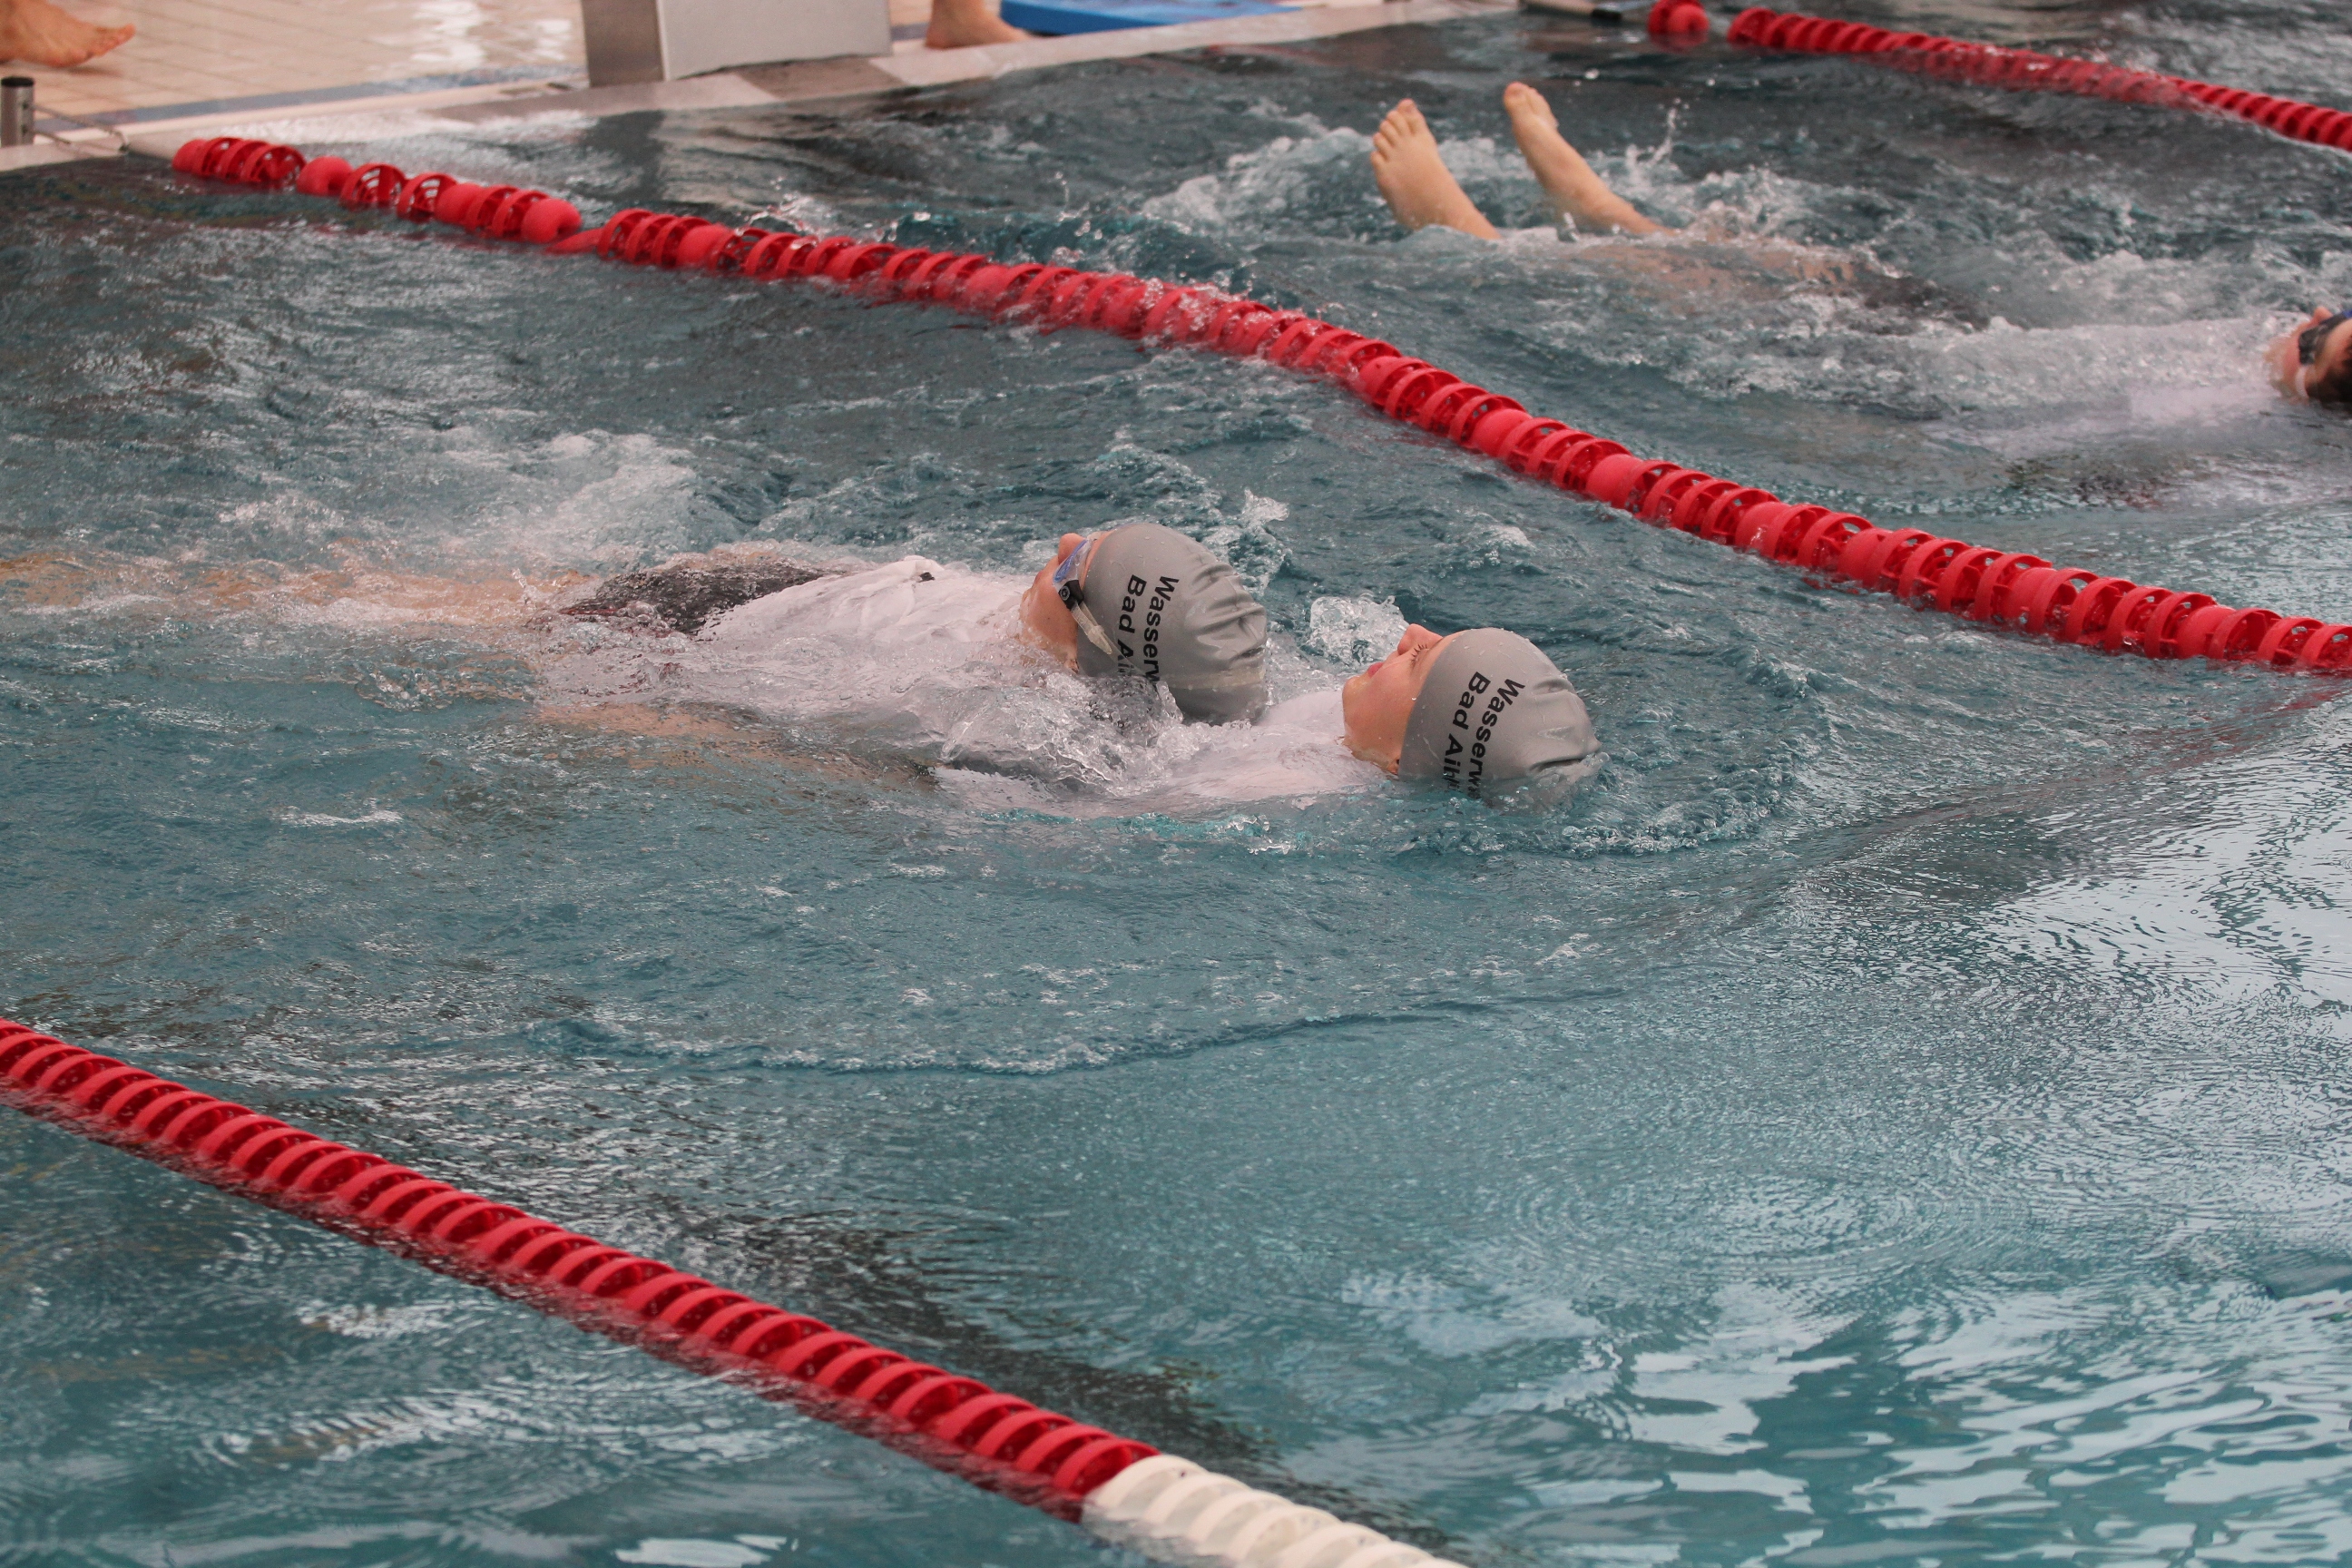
[1892, 1115]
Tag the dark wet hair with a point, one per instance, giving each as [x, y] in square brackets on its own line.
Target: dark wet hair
[2336, 386]
[683, 595]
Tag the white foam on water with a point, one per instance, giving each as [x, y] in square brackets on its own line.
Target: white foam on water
[605, 497]
[1352, 630]
[687, 1553]
[1288, 176]
[380, 816]
[2194, 369]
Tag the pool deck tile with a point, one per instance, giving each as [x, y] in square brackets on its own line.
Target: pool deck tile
[228, 62]
[186, 53]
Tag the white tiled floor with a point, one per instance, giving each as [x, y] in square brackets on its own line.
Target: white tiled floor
[193, 54]
[189, 51]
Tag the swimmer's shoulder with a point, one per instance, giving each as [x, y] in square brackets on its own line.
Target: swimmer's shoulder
[913, 593]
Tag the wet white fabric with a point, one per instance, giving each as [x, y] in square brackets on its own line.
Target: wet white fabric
[1296, 749]
[920, 659]
[849, 644]
[1295, 754]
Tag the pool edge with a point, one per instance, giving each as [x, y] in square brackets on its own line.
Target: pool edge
[160, 130]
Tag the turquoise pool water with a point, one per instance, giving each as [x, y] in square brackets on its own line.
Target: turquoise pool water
[1896, 1114]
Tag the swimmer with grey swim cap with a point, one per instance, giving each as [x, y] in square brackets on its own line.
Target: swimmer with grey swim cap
[1481, 711]
[1143, 600]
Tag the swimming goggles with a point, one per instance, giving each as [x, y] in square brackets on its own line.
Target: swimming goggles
[1069, 587]
[1070, 575]
[2313, 338]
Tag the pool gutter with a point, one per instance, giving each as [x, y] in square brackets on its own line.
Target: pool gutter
[935, 68]
[159, 133]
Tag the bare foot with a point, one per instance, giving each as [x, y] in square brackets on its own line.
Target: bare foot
[37, 32]
[960, 24]
[1419, 189]
[1575, 190]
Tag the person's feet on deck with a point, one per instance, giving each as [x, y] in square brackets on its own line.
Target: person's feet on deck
[1575, 190]
[962, 23]
[39, 34]
[1418, 186]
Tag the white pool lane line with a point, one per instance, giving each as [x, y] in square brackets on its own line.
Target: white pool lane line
[1173, 1510]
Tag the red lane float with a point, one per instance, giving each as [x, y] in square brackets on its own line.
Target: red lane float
[498, 211]
[1124, 1491]
[1679, 21]
[1989, 64]
[957, 1423]
[239, 161]
[1995, 587]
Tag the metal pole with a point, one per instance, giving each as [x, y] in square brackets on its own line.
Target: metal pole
[16, 111]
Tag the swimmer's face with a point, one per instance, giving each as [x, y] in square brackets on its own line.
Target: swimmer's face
[1378, 702]
[2284, 356]
[1045, 620]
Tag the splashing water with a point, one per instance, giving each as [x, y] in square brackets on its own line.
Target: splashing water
[1892, 1114]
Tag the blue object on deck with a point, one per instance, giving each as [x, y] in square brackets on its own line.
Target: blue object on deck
[1106, 16]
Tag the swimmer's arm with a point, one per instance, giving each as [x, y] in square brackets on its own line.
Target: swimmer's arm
[687, 737]
[440, 601]
[638, 719]
[58, 580]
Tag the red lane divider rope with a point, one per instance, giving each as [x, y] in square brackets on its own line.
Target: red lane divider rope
[1123, 1491]
[1989, 64]
[499, 212]
[1679, 21]
[1996, 587]
[956, 1423]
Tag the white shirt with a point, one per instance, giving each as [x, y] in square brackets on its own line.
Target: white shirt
[851, 643]
[915, 657]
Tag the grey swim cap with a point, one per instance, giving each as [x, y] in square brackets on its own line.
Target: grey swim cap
[1156, 605]
[1494, 710]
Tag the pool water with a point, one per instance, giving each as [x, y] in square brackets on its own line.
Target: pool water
[1895, 1115]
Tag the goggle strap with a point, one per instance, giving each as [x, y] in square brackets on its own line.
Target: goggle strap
[2308, 341]
[1090, 627]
